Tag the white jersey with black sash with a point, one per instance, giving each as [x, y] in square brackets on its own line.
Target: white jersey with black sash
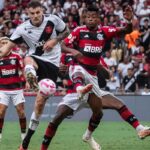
[35, 37]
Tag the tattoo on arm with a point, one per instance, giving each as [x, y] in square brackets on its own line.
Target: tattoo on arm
[63, 35]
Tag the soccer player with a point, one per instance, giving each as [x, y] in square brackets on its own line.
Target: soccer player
[42, 33]
[89, 41]
[113, 103]
[11, 87]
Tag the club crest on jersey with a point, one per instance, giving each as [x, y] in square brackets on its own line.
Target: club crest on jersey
[48, 29]
[92, 49]
[13, 61]
[100, 36]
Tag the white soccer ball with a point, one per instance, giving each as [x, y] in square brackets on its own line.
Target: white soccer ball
[47, 87]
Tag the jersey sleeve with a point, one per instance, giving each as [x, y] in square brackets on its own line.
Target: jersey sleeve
[16, 36]
[59, 24]
[20, 62]
[110, 32]
[73, 36]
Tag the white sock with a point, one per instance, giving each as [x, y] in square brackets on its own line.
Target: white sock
[139, 128]
[30, 69]
[88, 133]
[34, 122]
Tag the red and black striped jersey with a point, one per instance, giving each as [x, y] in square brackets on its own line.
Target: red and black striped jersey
[90, 44]
[9, 72]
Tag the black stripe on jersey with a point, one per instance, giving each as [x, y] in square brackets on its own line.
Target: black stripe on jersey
[11, 86]
[47, 31]
[88, 67]
[8, 61]
[88, 36]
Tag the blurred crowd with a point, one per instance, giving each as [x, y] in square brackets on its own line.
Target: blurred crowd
[127, 57]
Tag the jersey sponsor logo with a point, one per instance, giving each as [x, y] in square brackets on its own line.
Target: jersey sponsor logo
[92, 49]
[100, 36]
[39, 44]
[8, 72]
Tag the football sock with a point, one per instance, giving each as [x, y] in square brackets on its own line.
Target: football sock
[93, 124]
[30, 69]
[127, 115]
[49, 134]
[22, 122]
[1, 124]
[34, 122]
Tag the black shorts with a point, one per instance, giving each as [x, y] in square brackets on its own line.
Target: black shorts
[46, 70]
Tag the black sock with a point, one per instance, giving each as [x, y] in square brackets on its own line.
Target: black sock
[26, 141]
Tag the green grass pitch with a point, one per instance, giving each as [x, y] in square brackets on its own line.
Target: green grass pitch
[111, 136]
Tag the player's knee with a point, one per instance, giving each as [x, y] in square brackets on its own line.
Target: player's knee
[2, 113]
[21, 114]
[27, 60]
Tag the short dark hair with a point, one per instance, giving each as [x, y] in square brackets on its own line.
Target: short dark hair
[93, 8]
[34, 4]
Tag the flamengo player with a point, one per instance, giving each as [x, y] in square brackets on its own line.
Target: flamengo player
[11, 87]
[89, 41]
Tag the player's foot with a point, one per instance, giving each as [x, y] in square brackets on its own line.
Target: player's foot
[21, 148]
[23, 136]
[82, 90]
[32, 80]
[92, 143]
[142, 134]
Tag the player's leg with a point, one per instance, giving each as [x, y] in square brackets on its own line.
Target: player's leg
[77, 76]
[4, 102]
[96, 106]
[30, 72]
[34, 121]
[62, 112]
[22, 119]
[2, 115]
[112, 102]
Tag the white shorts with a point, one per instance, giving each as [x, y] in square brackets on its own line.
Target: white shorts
[16, 97]
[72, 101]
[80, 71]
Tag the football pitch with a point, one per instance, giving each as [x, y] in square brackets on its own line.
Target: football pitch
[111, 136]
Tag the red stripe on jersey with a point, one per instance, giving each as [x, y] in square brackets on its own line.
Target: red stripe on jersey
[9, 68]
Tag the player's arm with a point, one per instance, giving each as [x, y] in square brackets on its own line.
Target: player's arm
[63, 31]
[67, 44]
[128, 15]
[5, 50]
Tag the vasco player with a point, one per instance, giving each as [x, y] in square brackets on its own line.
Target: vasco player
[42, 33]
[89, 41]
[11, 87]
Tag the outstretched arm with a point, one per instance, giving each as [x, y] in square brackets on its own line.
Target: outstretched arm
[128, 15]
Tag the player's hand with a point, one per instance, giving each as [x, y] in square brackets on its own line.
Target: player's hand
[63, 68]
[48, 46]
[128, 13]
[77, 55]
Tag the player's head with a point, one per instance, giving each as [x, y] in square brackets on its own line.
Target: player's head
[92, 17]
[3, 41]
[35, 12]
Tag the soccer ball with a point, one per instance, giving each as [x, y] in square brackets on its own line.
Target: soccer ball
[47, 87]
